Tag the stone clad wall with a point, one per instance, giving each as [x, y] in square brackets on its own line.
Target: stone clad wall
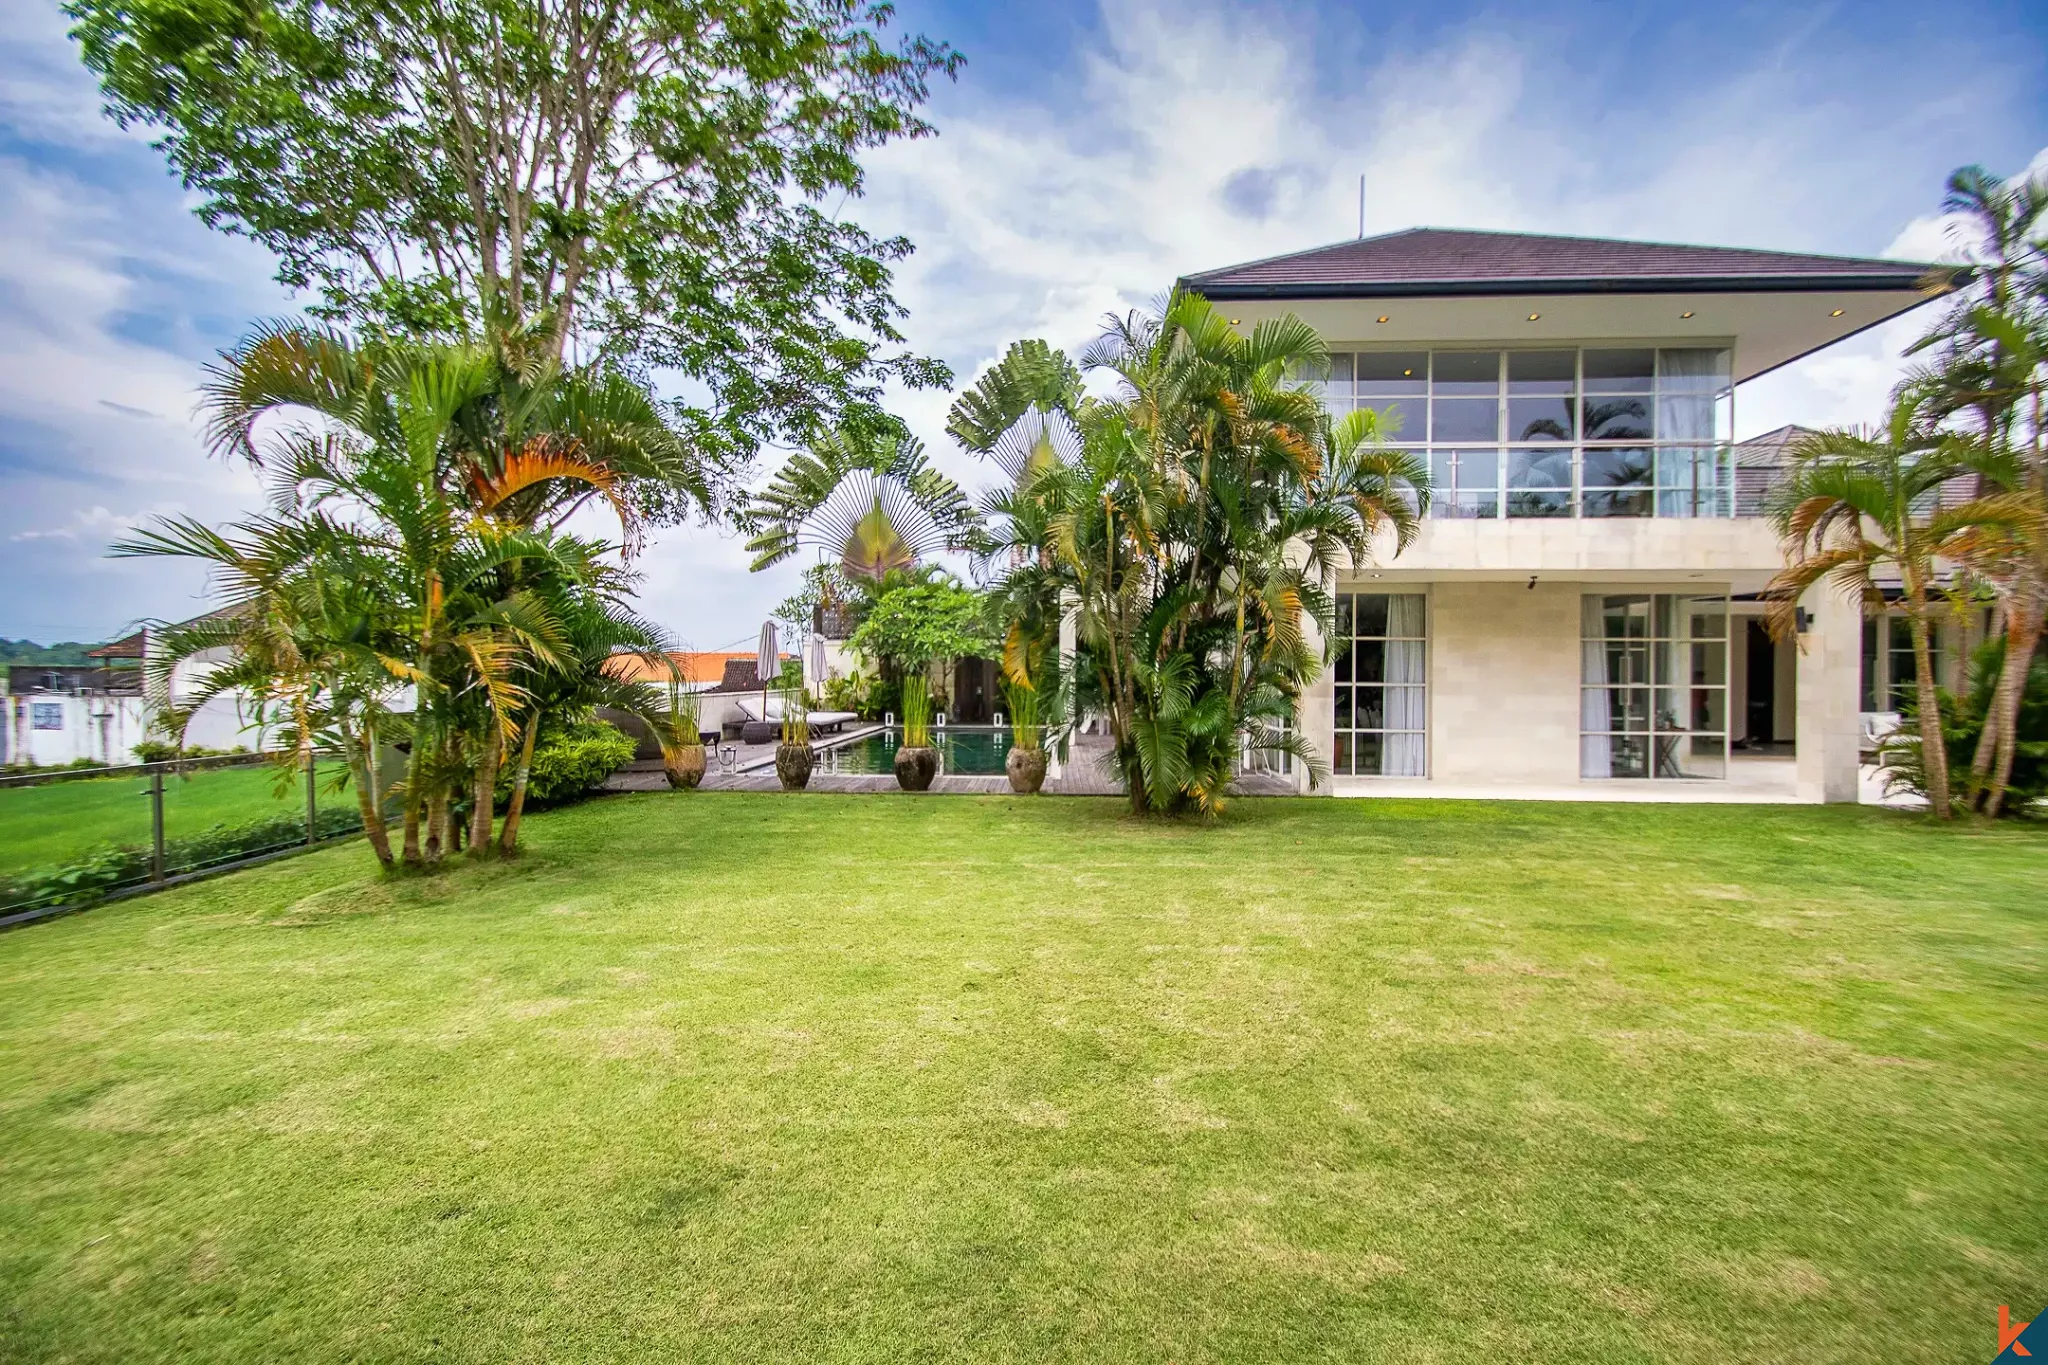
[1504, 682]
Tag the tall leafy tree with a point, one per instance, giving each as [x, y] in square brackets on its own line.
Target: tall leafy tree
[644, 179]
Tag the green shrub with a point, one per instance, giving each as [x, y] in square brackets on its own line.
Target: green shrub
[163, 751]
[1962, 721]
[884, 697]
[569, 761]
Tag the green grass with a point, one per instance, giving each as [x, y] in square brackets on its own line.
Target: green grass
[743, 1078]
[59, 822]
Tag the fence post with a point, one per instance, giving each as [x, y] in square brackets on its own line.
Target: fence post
[312, 822]
[156, 824]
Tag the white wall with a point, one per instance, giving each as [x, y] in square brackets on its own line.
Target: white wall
[102, 728]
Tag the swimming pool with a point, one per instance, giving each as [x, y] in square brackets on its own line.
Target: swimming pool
[962, 749]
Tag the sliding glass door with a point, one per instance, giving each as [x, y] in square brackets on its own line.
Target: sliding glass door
[1653, 685]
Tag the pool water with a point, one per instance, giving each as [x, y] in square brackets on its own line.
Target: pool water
[961, 750]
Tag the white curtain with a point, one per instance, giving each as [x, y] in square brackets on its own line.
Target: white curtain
[1402, 753]
[1596, 751]
[1689, 385]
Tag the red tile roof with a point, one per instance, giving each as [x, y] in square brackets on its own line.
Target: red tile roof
[696, 667]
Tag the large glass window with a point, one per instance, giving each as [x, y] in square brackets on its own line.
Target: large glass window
[1617, 431]
[1397, 384]
[1381, 685]
[1653, 694]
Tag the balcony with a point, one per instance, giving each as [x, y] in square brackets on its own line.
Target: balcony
[1689, 480]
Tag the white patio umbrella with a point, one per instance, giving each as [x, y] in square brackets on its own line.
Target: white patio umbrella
[767, 663]
[817, 661]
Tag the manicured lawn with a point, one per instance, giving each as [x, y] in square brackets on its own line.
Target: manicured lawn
[745, 1078]
[60, 821]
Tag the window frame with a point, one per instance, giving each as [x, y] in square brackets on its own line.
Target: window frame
[1345, 685]
[1673, 490]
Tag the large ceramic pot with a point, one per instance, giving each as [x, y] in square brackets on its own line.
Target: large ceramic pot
[793, 766]
[915, 768]
[1026, 768]
[684, 767]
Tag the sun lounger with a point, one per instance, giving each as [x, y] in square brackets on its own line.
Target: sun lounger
[823, 722]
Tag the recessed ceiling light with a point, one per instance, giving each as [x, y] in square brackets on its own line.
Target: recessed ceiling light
[1837, 313]
[1383, 317]
[1686, 314]
[1534, 316]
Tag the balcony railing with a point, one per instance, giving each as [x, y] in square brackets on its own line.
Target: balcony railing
[1668, 479]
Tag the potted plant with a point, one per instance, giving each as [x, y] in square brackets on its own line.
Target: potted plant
[1026, 763]
[917, 762]
[793, 755]
[682, 742]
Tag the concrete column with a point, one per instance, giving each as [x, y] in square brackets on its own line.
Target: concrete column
[1830, 721]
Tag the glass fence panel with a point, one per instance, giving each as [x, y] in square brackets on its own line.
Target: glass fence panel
[67, 841]
[60, 824]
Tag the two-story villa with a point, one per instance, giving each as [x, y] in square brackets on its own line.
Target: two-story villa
[1580, 606]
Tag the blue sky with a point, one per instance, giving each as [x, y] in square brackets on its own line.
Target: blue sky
[1088, 155]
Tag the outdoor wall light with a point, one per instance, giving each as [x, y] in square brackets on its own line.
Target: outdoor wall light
[1407, 374]
[1234, 322]
[1686, 314]
[1534, 316]
[1801, 621]
[1382, 317]
[1837, 313]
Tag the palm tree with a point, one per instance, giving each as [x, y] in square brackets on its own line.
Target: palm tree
[598, 629]
[1195, 520]
[1986, 382]
[1854, 506]
[869, 498]
[306, 638]
[464, 460]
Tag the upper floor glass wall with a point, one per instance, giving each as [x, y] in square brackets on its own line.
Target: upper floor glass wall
[1594, 432]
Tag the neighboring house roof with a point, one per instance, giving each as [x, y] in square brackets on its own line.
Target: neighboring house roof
[696, 667]
[1447, 261]
[741, 675]
[1758, 462]
[127, 647]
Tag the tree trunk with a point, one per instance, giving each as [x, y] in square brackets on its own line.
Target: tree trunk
[1933, 744]
[485, 793]
[2020, 643]
[437, 826]
[1987, 738]
[363, 771]
[415, 803]
[508, 834]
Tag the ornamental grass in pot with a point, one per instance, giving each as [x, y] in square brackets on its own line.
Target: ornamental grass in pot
[917, 762]
[1026, 761]
[793, 760]
[682, 743]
